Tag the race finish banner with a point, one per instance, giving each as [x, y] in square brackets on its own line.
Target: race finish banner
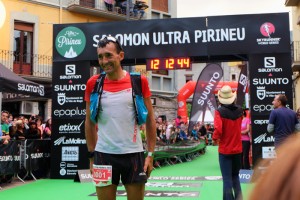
[205, 87]
[175, 37]
[201, 39]
[270, 76]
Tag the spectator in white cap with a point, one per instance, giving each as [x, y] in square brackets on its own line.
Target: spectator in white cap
[227, 134]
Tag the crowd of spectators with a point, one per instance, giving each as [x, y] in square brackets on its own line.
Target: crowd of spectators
[20, 128]
[171, 132]
[136, 9]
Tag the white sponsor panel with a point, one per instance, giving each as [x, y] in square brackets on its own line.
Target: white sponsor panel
[268, 152]
[70, 153]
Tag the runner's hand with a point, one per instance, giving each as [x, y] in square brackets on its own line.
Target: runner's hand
[148, 166]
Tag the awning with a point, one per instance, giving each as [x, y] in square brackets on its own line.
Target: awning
[12, 83]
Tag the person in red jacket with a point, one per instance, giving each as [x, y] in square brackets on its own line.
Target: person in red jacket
[227, 134]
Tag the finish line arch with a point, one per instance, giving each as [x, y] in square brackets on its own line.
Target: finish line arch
[261, 39]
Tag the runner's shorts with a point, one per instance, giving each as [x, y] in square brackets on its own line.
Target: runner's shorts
[128, 167]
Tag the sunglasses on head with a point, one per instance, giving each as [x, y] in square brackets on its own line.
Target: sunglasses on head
[104, 41]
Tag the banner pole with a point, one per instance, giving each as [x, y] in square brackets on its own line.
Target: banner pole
[0, 103]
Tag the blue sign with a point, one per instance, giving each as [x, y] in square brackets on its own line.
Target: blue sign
[245, 175]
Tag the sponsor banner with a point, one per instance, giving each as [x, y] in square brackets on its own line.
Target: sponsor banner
[185, 178]
[262, 33]
[70, 156]
[242, 86]
[32, 154]
[204, 90]
[69, 81]
[9, 158]
[83, 176]
[260, 135]
[160, 193]
[172, 185]
[37, 154]
[71, 72]
[197, 36]
[271, 75]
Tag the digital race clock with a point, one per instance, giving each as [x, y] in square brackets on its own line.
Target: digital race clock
[168, 63]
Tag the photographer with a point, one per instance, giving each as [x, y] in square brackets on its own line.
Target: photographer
[32, 118]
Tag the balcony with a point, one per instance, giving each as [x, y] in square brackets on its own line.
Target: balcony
[97, 8]
[33, 66]
[295, 56]
[291, 2]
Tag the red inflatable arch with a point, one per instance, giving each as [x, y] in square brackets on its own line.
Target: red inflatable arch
[188, 89]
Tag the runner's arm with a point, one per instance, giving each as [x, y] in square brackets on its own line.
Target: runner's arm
[90, 130]
[150, 135]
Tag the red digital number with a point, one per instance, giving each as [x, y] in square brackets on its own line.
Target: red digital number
[184, 63]
[170, 63]
[155, 64]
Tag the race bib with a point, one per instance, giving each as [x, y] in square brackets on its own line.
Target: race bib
[102, 175]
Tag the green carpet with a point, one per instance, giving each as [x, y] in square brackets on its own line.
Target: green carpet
[205, 165]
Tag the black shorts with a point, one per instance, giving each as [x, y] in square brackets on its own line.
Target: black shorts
[128, 167]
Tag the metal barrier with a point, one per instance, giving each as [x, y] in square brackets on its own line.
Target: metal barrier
[184, 150]
[28, 155]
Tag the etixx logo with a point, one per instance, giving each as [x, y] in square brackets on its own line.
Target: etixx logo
[70, 42]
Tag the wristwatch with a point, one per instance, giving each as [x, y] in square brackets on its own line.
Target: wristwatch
[91, 154]
[150, 154]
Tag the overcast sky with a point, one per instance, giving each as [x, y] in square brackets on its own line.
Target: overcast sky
[200, 8]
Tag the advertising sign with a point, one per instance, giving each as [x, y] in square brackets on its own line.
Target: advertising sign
[68, 115]
[177, 37]
[270, 76]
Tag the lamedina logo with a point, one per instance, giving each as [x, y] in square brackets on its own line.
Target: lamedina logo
[70, 42]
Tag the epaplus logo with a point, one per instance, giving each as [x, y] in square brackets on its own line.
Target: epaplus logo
[70, 42]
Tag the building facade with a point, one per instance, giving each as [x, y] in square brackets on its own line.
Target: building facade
[26, 41]
[26, 45]
[295, 12]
